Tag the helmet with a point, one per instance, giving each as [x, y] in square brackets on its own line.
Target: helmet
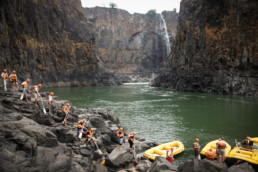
[219, 139]
[134, 133]
[83, 120]
[13, 71]
[172, 148]
[121, 129]
[39, 85]
[27, 80]
[91, 129]
[67, 104]
[197, 140]
[4, 70]
[51, 93]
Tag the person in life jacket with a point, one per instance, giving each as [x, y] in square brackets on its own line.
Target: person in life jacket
[170, 155]
[196, 147]
[50, 101]
[120, 135]
[13, 79]
[210, 154]
[221, 146]
[25, 86]
[89, 135]
[80, 126]
[131, 138]
[36, 94]
[65, 109]
[250, 142]
[4, 76]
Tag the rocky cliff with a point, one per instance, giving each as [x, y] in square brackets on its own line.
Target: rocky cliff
[49, 41]
[132, 44]
[215, 49]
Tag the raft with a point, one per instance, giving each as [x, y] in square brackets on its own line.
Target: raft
[246, 154]
[162, 149]
[212, 145]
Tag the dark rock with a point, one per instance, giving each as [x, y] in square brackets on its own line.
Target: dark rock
[244, 167]
[118, 158]
[85, 152]
[162, 165]
[100, 168]
[143, 165]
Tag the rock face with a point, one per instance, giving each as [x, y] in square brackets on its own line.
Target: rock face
[131, 44]
[50, 42]
[215, 50]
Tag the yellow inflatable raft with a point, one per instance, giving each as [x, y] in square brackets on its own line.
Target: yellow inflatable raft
[246, 154]
[212, 145]
[162, 149]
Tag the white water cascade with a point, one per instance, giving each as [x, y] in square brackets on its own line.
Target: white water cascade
[164, 32]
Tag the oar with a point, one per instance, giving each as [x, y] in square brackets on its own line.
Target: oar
[22, 96]
[99, 151]
[44, 110]
[5, 89]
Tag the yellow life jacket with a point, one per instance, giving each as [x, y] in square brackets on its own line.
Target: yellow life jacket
[65, 109]
[80, 124]
[4, 75]
[196, 146]
[120, 134]
[25, 85]
[34, 88]
[13, 77]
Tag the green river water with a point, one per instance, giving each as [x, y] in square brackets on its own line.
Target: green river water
[163, 115]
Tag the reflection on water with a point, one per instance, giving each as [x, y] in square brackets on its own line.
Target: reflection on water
[163, 115]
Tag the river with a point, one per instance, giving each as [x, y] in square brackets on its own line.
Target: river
[163, 115]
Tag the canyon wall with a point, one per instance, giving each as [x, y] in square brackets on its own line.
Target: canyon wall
[215, 49]
[131, 44]
[50, 41]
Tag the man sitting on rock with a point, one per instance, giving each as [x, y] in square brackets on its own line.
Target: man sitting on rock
[120, 135]
[210, 154]
[131, 138]
[80, 126]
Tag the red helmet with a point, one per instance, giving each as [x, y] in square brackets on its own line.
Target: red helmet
[197, 140]
[67, 104]
[13, 71]
[83, 120]
[4, 70]
[121, 129]
[27, 80]
[91, 129]
[39, 85]
[51, 94]
[134, 133]
[172, 148]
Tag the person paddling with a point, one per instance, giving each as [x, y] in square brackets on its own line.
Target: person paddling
[80, 126]
[4, 75]
[25, 86]
[50, 101]
[131, 138]
[66, 109]
[210, 154]
[170, 155]
[120, 135]
[196, 147]
[13, 79]
[36, 94]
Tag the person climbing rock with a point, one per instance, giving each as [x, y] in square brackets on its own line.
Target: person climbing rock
[80, 126]
[13, 79]
[221, 146]
[4, 76]
[196, 148]
[210, 154]
[170, 155]
[89, 136]
[50, 101]
[36, 94]
[25, 86]
[66, 109]
[131, 138]
[120, 135]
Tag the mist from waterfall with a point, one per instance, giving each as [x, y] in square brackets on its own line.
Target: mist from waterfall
[165, 35]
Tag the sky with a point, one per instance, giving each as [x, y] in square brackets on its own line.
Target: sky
[136, 6]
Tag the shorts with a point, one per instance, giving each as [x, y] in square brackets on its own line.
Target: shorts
[170, 159]
[13, 81]
[131, 143]
[35, 95]
[221, 152]
[121, 140]
[25, 91]
[79, 129]
[88, 138]
[196, 152]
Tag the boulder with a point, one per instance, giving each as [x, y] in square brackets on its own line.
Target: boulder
[244, 167]
[202, 166]
[162, 165]
[118, 158]
[100, 168]
[143, 165]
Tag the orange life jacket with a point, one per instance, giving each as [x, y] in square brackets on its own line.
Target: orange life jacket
[120, 134]
[34, 88]
[4, 75]
[131, 137]
[65, 109]
[195, 146]
[80, 124]
[221, 145]
[90, 134]
[210, 155]
[13, 77]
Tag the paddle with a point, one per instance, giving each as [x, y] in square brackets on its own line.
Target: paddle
[99, 151]
[22, 96]
[44, 110]
[5, 89]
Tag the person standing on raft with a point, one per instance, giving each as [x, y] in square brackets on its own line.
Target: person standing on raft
[131, 138]
[120, 135]
[13, 79]
[80, 126]
[196, 148]
[25, 86]
[4, 75]
[65, 109]
[170, 155]
[221, 146]
[50, 101]
[36, 94]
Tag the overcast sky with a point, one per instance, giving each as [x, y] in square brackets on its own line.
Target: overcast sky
[139, 6]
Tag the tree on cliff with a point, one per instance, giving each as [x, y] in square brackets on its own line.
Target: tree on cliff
[112, 5]
[151, 12]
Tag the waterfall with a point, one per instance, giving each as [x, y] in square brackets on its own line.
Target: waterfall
[164, 32]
